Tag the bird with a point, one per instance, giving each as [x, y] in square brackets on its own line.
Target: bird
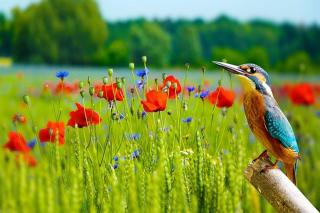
[265, 118]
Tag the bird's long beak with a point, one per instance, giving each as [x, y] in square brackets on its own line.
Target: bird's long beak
[230, 68]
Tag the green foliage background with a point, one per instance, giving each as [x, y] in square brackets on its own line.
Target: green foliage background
[195, 167]
[73, 32]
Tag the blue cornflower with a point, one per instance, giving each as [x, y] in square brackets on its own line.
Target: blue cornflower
[135, 154]
[62, 74]
[32, 143]
[196, 95]
[115, 166]
[142, 73]
[121, 116]
[115, 158]
[204, 94]
[134, 136]
[143, 114]
[318, 114]
[191, 88]
[187, 120]
[140, 84]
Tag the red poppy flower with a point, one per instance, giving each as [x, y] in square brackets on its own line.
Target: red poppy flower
[156, 101]
[110, 92]
[316, 89]
[27, 158]
[222, 97]
[19, 118]
[64, 87]
[46, 87]
[302, 94]
[83, 117]
[16, 142]
[53, 132]
[172, 91]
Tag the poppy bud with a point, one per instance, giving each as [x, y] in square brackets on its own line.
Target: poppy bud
[82, 93]
[187, 65]
[91, 91]
[131, 66]
[168, 84]
[100, 94]
[110, 72]
[26, 99]
[81, 84]
[117, 80]
[132, 90]
[89, 80]
[156, 81]
[144, 59]
[123, 80]
[169, 112]
[164, 75]
[175, 85]
[119, 85]
[105, 80]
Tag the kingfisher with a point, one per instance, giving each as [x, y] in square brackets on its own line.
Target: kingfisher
[265, 118]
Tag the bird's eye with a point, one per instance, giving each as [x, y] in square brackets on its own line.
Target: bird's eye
[248, 69]
[251, 70]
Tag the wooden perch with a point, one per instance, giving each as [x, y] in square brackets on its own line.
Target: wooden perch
[274, 185]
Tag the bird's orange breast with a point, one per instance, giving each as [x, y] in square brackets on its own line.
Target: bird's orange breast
[254, 108]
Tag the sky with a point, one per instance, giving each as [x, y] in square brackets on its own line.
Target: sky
[296, 11]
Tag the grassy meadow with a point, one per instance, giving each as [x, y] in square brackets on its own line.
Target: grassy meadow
[188, 158]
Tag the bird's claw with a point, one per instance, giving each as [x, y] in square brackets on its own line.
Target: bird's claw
[268, 167]
[263, 155]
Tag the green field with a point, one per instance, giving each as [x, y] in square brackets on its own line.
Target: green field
[163, 165]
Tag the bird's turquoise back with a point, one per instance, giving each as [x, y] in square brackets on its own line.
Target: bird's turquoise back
[278, 126]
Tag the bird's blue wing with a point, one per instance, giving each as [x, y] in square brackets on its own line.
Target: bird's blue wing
[279, 127]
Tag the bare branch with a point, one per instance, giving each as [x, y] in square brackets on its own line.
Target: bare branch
[274, 185]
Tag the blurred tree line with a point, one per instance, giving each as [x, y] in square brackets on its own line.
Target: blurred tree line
[74, 32]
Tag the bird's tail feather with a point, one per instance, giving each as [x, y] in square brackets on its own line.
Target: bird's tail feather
[291, 171]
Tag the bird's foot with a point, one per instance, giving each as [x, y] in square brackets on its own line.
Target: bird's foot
[263, 155]
[273, 166]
